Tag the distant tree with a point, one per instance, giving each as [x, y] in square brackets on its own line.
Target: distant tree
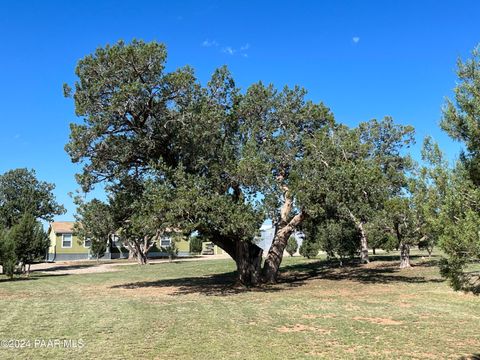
[195, 244]
[310, 245]
[21, 193]
[339, 239]
[428, 188]
[349, 174]
[172, 249]
[30, 240]
[94, 223]
[292, 245]
[401, 222]
[380, 235]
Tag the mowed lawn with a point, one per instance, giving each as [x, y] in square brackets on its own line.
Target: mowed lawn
[187, 310]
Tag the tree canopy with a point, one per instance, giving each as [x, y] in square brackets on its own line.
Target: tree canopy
[216, 161]
[21, 192]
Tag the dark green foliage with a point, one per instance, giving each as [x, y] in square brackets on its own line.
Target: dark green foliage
[347, 175]
[21, 193]
[195, 244]
[198, 155]
[426, 245]
[292, 245]
[8, 257]
[171, 250]
[94, 222]
[380, 235]
[31, 241]
[459, 218]
[461, 118]
[459, 238]
[339, 238]
[309, 248]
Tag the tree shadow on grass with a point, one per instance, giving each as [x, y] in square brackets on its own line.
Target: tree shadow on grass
[379, 275]
[64, 267]
[291, 276]
[471, 357]
[212, 285]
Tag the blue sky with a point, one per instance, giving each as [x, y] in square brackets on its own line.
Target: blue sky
[364, 59]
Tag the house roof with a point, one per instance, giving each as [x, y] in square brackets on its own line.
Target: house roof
[60, 227]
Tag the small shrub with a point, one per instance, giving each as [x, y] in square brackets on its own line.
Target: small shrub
[195, 245]
[309, 249]
[171, 250]
[292, 245]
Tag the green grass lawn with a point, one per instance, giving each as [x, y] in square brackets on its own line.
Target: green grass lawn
[188, 311]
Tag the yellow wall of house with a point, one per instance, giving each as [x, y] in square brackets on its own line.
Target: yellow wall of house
[183, 245]
[56, 244]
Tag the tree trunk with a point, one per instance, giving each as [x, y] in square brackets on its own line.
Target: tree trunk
[373, 251]
[404, 255]
[285, 227]
[248, 257]
[142, 258]
[275, 253]
[363, 238]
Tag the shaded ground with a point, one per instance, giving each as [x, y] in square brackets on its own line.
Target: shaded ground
[187, 310]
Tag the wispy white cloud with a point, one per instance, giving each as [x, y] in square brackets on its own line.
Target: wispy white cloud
[355, 39]
[229, 50]
[209, 43]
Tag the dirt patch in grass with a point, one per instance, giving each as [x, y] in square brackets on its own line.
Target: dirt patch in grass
[319, 316]
[302, 327]
[379, 321]
[140, 292]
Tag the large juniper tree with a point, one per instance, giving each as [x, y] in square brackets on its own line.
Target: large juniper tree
[213, 160]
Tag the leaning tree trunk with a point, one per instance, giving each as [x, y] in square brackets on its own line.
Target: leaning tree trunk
[280, 240]
[404, 255]
[275, 256]
[363, 238]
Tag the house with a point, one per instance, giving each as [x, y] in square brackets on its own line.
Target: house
[209, 248]
[65, 245]
[267, 233]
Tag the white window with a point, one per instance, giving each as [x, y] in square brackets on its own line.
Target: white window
[66, 240]
[87, 242]
[165, 242]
